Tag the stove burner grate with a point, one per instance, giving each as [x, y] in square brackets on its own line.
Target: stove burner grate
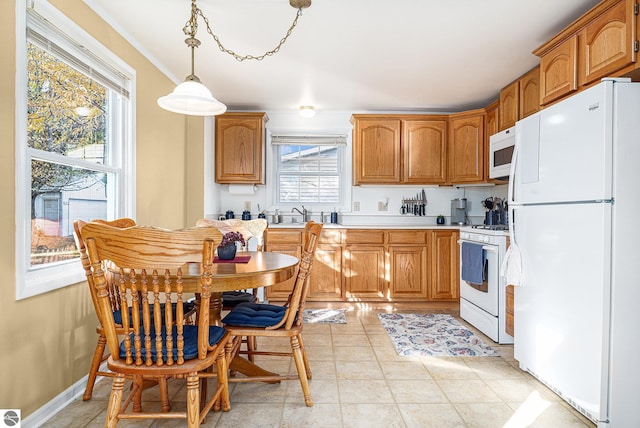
[491, 226]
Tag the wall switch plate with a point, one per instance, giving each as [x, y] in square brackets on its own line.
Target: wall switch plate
[382, 206]
[247, 205]
[356, 206]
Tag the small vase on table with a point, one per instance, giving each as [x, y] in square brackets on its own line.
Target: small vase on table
[228, 252]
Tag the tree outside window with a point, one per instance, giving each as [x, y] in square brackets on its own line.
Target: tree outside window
[67, 116]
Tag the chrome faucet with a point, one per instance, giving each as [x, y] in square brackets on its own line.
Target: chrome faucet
[304, 213]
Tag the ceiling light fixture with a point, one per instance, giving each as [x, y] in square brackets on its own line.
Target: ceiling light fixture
[307, 111]
[191, 97]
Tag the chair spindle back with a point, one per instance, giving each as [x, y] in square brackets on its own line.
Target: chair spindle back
[148, 266]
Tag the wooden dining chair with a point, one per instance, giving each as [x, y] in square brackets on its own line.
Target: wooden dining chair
[147, 264]
[250, 230]
[253, 320]
[99, 355]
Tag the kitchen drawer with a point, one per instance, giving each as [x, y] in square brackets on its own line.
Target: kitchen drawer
[284, 236]
[407, 237]
[331, 236]
[364, 237]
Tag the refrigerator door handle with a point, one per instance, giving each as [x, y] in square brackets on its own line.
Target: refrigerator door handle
[512, 172]
[511, 189]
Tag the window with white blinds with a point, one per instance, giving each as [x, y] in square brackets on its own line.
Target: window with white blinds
[309, 168]
[74, 150]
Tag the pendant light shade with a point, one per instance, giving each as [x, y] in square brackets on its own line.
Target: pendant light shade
[193, 98]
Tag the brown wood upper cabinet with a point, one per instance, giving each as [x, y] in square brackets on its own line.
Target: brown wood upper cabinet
[529, 93]
[466, 147]
[397, 149]
[240, 145]
[491, 126]
[376, 150]
[558, 71]
[520, 98]
[509, 105]
[425, 151]
[600, 43]
[491, 120]
[606, 44]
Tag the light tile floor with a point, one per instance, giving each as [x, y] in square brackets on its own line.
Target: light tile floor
[360, 381]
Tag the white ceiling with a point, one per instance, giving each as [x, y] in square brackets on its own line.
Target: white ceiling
[357, 55]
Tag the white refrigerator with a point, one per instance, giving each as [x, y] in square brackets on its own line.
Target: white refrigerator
[574, 195]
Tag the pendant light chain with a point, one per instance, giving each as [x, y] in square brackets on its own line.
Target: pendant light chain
[191, 97]
[191, 27]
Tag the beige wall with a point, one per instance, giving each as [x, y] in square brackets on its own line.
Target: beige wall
[46, 341]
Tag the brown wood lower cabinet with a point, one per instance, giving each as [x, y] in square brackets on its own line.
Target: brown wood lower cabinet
[509, 307]
[364, 272]
[408, 264]
[285, 241]
[444, 267]
[374, 265]
[326, 276]
[364, 264]
[509, 324]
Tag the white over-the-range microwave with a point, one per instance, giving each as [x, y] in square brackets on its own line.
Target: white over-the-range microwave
[501, 147]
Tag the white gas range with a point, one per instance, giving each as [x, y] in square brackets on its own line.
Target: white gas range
[483, 305]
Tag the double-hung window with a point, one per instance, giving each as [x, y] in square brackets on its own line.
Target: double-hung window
[309, 169]
[74, 149]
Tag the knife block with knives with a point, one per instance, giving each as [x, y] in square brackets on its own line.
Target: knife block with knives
[416, 205]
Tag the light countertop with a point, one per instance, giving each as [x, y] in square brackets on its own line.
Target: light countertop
[366, 226]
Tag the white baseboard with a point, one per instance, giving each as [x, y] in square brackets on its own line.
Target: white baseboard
[46, 412]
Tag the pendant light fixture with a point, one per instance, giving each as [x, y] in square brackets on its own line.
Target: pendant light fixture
[191, 97]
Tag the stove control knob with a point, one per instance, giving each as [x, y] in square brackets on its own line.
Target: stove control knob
[464, 235]
[485, 239]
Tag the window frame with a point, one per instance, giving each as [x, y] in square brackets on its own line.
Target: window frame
[32, 281]
[344, 172]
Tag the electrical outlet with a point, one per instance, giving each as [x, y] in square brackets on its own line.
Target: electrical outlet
[247, 205]
[356, 206]
[382, 206]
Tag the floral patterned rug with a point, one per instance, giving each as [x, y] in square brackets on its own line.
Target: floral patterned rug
[331, 316]
[436, 335]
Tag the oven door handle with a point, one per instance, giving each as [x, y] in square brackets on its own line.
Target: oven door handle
[491, 249]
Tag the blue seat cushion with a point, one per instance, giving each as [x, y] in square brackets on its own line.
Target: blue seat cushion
[234, 298]
[190, 333]
[254, 315]
[187, 307]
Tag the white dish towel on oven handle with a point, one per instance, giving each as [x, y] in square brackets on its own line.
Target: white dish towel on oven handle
[511, 268]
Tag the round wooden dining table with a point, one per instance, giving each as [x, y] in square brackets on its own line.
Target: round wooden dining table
[262, 269]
